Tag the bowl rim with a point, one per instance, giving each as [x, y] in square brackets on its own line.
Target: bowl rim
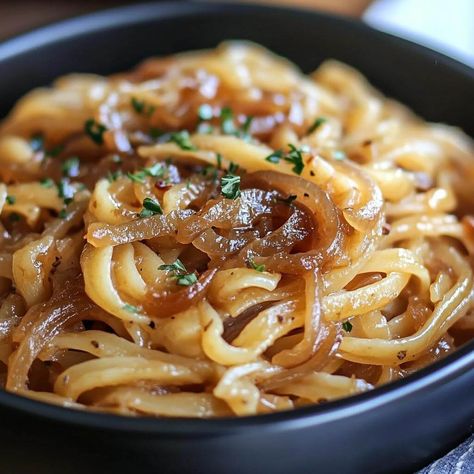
[445, 370]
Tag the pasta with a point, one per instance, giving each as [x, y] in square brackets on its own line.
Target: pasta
[216, 234]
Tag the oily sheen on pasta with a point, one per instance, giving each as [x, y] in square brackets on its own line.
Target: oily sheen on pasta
[216, 234]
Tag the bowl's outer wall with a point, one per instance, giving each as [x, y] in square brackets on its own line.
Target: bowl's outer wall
[396, 438]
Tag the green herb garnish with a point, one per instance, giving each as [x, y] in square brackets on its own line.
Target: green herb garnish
[210, 171]
[113, 175]
[137, 177]
[347, 326]
[150, 208]
[182, 139]
[205, 112]
[70, 167]
[10, 199]
[56, 151]
[141, 107]
[294, 157]
[176, 267]
[186, 280]
[65, 190]
[62, 214]
[227, 121]
[233, 167]
[156, 133]
[230, 185]
[178, 271]
[14, 217]
[47, 183]
[252, 264]
[246, 125]
[316, 124]
[219, 160]
[156, 170]
[95, 130]
[275, 157]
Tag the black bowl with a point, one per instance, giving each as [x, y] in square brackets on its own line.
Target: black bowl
[396, 428]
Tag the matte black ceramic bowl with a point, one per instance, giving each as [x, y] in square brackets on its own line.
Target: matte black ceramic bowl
[397, 428]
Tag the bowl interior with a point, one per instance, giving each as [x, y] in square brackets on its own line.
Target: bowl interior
[435, 86]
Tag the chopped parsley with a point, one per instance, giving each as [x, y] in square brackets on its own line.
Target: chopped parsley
[230, 186]
[315, 125]
[10, 199]
[70, 167]
[176, 267]
[95, 131]
[287, 200]
[113, 175]
[65, 190]
[137, 177]
[156, 133]
[219, 160]
[178, 271]
[246, 125]
[275, 157]
[141, 107]
[47, 183]
[228, 127]
[205, 112]
[62, 214]
[56, 151]
[130, 308]
[233, 167]
[347, 326]
[295, 157]
[253, 265]
[182, 139]
[227, 121]
[14, 217]
[186, 280]
[150, 208]
[156, 171]
[210, 171]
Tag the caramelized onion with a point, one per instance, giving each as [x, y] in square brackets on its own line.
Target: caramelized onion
[166, 303]
[228, 213]
[102, 235]
[329, 232]
[40, 324]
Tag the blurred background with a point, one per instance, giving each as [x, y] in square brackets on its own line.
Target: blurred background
[444, 25]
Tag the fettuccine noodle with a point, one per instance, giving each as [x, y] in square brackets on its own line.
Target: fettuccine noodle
[216, 234]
